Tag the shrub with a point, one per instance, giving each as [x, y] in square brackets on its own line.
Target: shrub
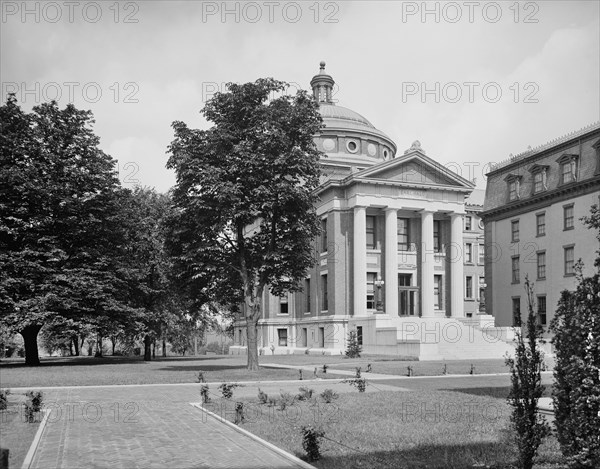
[33, 405]
[239, 413]
[201, 378]
[4, 398]
[358, 382]
[227, 389]
[329, 395]
[263, 397]
[311, 437]
[286, 400]
[354, 349]
[526, 389]
[204, 392]
[305, 394]
[272, 402]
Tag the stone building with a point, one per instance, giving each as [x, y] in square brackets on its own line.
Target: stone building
[391, 259]
[533, 207]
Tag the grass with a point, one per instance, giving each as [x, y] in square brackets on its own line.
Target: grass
[433, 429]
[89, 371]
[17, 434]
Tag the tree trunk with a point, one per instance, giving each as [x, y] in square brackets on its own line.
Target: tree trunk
[70, 348]
[113, 341]
[76, 345]
[252, 331]
[82, 342]
[30, 334]
[147, 348]
[98, 353]
[164, 348]
[153, 349]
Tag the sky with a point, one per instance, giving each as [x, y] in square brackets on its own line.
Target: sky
[473, 81]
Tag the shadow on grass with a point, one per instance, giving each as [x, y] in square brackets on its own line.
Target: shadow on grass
[499, 392]
[108, 360]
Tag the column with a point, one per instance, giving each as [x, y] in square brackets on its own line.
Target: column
[360, 261]
[457, 305]
[427, 264]
[391, 262]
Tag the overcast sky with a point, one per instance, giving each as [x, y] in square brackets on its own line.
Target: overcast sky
[473, 81]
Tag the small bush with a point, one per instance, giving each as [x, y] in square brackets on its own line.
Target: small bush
[227, 389]
[201, 378]
[286, 400]
[263, 397]
[204, 393]
[33, 405]
[325, 369]
[272, 402]
[305, 394]
[311, 437]
[239, 413]
[329, 395]
[354, 349]
[4, 398]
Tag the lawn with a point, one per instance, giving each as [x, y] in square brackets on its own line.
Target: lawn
[16, 434]
[433, 429]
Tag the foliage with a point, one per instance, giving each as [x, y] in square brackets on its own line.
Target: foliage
[329, 395]
[201, 378]
[286, 400]
[244, 198]
[204, 393]
[576, 393]
[227, 389]
[311, 437]
[526, 388]
[4, 398]
[305, 394]
[358, 382]
[239, 413]
[353, 350]
[263, 397]
[33, 405]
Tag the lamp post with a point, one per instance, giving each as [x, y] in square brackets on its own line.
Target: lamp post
[379, 283]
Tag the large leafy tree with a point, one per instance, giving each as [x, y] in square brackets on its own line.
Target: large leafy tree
[576, 393]
[245, 195]
[60, 223]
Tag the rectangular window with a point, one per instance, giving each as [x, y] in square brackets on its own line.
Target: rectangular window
[514, 231]
[512, 191]
[468, 221]
[371, 241]
[321, 337]
[538, 182]
[568, 171]
[568, 217]
[403, 239]
[481, 252]
[359, 335]
[283, 305]
[304, 337]
[469, 253]
[540, 223]
[541, 312]
[282, 335]
[325, 302]
[307, 295]
[541, 265]
[324, 235]
[570, 260]
[515, 269]
[437, 291]
[469, 287]
[370, 290]
[404, 280]
[437, 236]
[516, 311]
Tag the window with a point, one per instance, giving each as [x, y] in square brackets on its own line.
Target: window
[540, 223]
[570, 260]
[307, 295]
[370, 290]
[282, 335]
[324, 235]
[304, 337]
[469, 287]
[481, 252]
[541, 265]
[371, 242]
[403, 239]
[513, 190]
[469, 253]
[407, 298]
[283, 305]
[437, 291]
[568, 217]
[514, 231]
[437, 236]
[541, 311]
[538, 182]
[468, 221]
[359, 335]
[516, 311]
[325, 302]
[515, 269]
[568, 168]
[539, 173]
[321, 337]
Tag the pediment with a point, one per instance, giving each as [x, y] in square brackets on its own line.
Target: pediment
[414, 169]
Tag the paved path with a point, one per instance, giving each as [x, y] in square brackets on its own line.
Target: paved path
[143, 427]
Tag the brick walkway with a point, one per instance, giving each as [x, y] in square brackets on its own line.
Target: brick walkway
[142, 427]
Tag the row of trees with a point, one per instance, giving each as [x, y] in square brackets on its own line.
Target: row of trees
[79, 254]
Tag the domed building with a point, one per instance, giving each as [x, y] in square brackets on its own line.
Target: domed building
[392, 257]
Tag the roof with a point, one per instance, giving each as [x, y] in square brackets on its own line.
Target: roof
[476, 197]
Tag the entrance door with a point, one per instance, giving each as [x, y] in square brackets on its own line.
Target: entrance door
[304, 337]
[406, 295]
[321, 337]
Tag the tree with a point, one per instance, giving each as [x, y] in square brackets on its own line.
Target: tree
[354, 348]
[245, 196]
[526, 389]
[60, 233]
[576, 393]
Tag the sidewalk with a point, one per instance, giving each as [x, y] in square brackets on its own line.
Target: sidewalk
[143, 427]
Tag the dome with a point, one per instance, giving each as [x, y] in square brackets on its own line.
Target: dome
[329, 111]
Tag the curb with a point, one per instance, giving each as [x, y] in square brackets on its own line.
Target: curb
[290, 457]
[36, 440]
